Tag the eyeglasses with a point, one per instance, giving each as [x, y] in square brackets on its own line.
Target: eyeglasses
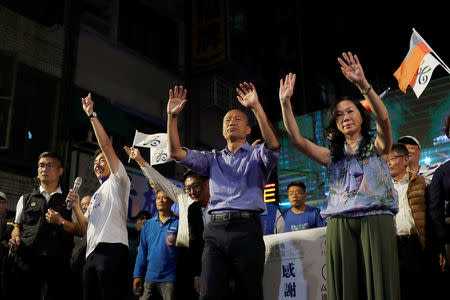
[395, 157]
[195, 187]
[49, 165]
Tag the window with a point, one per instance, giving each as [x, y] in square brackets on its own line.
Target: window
[7, 64]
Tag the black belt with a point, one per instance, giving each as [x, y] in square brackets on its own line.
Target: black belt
[233, 215]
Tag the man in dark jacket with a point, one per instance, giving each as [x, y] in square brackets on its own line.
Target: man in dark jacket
[44, 248]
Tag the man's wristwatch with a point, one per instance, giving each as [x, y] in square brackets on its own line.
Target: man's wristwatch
[93, 115]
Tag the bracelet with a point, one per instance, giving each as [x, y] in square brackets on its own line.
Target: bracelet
[366, 91]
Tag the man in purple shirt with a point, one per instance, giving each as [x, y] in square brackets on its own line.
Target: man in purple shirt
[234, 245]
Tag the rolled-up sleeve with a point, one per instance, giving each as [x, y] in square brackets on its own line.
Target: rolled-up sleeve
[197, 161]
[269, 157]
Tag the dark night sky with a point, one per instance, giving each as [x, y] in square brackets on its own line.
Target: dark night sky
[381, 39]
[378, 33]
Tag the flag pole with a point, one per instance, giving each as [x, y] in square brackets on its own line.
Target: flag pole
[385, 93]
[150, 156]
[134, 141]
[446, 68]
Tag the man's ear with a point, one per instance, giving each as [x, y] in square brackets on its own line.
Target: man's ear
[60, 171]
[249, 130]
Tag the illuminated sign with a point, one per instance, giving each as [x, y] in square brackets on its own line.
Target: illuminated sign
[269, 192]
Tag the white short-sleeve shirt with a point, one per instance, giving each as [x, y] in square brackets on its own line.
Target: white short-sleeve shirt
[107, 212]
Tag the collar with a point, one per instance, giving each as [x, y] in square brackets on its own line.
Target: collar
[405, 179]
[42, 190]
[103, 179]
[421, 170]
[245, 147]
[156, 218]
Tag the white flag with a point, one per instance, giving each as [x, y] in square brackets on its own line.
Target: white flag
[159, 156]
[157, 140]
[159, 152]
[426, 68]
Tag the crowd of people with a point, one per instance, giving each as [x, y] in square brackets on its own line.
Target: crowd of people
[387, 217]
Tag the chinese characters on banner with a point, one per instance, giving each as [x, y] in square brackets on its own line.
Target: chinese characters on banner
[295, 265]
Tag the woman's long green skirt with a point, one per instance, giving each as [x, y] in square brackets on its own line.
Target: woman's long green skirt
[362, 258]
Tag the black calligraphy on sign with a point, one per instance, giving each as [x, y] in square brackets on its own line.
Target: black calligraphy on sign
[290, 290]
[288, 270]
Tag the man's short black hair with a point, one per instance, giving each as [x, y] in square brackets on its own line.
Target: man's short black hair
[51, 155]
[400, 148]
[297, 183]
[97, 152]
[190, 173]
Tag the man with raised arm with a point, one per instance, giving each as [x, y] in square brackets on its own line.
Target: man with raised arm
[193, 202]
[234, 245]
[105, 274]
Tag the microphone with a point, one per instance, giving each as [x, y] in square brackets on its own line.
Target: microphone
[76, 186]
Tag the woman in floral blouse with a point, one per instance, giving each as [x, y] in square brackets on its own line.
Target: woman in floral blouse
[361, 257]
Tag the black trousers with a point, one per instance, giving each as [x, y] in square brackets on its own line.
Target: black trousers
[234, 249]
[411, 267]
[44, 276]
[105, 274]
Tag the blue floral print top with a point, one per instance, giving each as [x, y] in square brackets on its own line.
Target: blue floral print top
[360, 185]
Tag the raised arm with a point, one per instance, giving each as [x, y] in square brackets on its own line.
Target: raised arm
[248, 97]
[177, 101]
[161, 182]
[81, 219]
[102, 137]
[311, 150]
[353, 71]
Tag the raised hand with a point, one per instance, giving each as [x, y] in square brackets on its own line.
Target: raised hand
[135, 154]
[247, 95]
[74, 198]
[88, 104]
[287, 87]
[352, 69]
[177, 100]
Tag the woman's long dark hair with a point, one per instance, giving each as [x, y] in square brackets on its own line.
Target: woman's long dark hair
[336, 139]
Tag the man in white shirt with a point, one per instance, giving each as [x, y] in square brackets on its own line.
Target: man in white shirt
[410, 223]
[105, 274]
[44, 248]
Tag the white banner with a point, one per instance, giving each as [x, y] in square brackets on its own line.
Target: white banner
[159, 152]
[157, 140]
[159, 156]
[295, 265]
[426, 68]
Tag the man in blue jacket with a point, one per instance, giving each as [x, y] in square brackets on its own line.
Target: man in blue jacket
[158, 255]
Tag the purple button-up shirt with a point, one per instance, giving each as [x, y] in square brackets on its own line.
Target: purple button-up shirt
[236, 180]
